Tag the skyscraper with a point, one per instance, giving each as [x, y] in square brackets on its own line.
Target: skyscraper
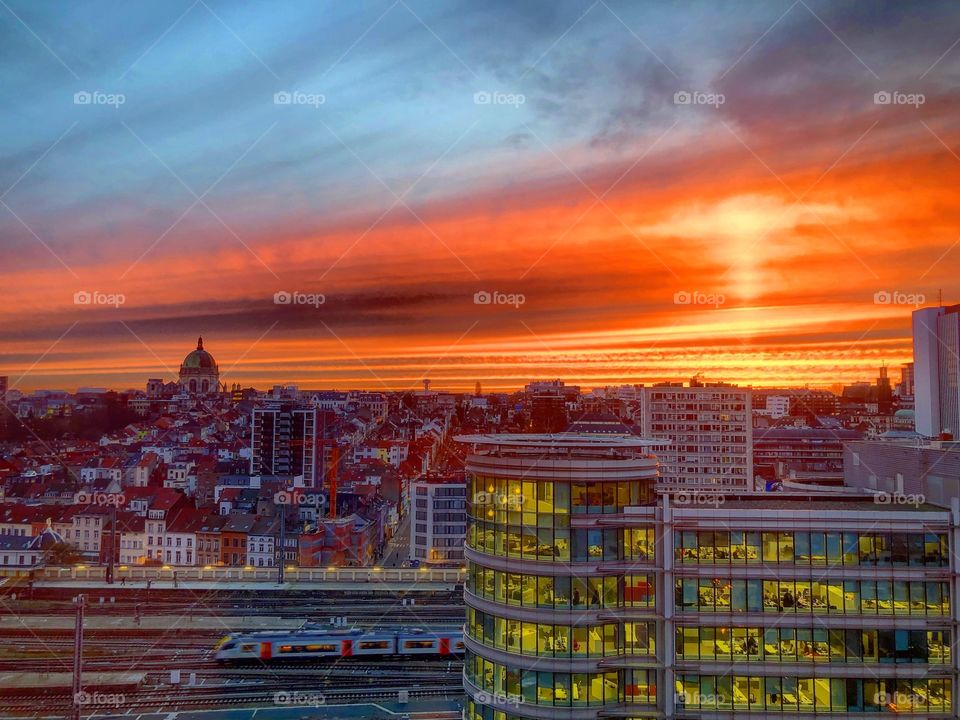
[285, 440]
[936, 370]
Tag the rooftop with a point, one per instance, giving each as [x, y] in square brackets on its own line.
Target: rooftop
[809, 501]
[584, 441]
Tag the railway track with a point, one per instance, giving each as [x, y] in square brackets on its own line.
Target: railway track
[35, 706]
[204, 666]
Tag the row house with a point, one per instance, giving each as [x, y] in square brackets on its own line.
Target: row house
[180, 539]
[133, 539]
[108, 468]
[22, 520]
[207, 473]
[181, 476]
[161, 509]
[242, 500]
[376, 403]
[23, 552]
[393, 453]
[146, 471]
[262, 542]
[233, 539]
[331, 400]
[209, 530]
[86, 530]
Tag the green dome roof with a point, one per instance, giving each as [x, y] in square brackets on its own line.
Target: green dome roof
[199, 359]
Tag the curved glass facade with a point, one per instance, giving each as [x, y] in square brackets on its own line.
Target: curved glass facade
[817, 549]
[540, 521]
[843, 597]
[587, 594]
[567, 641]
[814, 645]
[561, 592]
[504, 684]
[481, 711]
[807, 694]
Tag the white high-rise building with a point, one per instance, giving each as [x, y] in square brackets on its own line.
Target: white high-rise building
[710, 430]
[936, 368]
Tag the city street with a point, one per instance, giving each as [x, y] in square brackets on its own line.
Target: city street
[398, 549]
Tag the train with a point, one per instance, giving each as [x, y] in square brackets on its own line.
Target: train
[310, 644]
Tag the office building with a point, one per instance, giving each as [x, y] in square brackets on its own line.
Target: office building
[439, 518]
[936, 370]
[593, 594]
[710, 434]
[905, 468]
[285, 441]
[546, 573]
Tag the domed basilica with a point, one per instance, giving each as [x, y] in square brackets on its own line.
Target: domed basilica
[199, 374]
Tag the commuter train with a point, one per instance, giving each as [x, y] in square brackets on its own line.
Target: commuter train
[309, 644]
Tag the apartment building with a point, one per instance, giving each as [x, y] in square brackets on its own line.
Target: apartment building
[709, 430]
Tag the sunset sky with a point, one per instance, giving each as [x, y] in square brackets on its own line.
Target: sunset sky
[534, 148]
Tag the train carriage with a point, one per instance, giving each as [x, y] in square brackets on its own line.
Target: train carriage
[313, 644]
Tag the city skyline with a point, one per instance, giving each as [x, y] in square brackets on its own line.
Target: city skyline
[466, 386]
[330, 194]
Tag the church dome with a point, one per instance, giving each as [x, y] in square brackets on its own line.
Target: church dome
[199, 359]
